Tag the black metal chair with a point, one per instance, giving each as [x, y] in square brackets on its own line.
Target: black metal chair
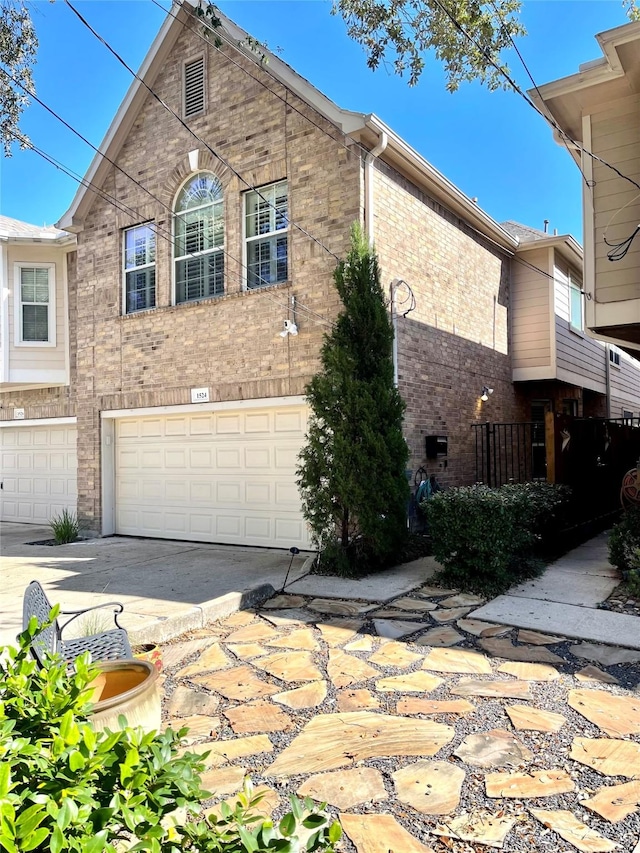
[107, 645]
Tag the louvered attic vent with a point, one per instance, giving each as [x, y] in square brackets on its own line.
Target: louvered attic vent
[194, 87]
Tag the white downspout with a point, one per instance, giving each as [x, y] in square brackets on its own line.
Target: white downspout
[368, 184]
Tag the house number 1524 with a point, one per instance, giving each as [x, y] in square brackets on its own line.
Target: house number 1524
[199, 395]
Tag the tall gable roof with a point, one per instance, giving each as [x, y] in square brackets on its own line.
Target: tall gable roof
[365, 128]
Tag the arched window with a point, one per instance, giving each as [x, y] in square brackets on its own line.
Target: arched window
[199, 238]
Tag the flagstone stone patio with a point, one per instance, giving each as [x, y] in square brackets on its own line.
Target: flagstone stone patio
[484, 738]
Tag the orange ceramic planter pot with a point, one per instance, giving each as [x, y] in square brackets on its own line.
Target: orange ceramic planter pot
[130, 688]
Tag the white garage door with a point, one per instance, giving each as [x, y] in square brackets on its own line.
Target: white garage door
[38, 469]
[222, 476]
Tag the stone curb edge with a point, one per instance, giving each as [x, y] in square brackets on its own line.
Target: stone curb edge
[162, 630]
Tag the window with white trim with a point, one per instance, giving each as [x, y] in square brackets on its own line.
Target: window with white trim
[614, 356]
[35, 304]
[576, 312]
[139, 268]
[199, 239]
[194, 87]
[266, 235]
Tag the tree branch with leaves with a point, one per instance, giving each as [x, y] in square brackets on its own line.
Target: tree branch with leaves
[18, 48]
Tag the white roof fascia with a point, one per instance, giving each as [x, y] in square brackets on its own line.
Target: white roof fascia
[601, 70]
[436, 183]
[566, 243]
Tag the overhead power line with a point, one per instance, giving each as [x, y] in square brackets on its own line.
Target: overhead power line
[549, 119]
[198, 138]
[350, 149]
[163, 233]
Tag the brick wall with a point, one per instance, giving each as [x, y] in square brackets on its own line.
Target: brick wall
[457, 338]
[230, 344]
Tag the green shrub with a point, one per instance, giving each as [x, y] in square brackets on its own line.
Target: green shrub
[64, 787]
[488, 538]
[64, 527]
[624, 541]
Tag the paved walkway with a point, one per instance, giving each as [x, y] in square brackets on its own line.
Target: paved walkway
[424, 729]
[565, 599]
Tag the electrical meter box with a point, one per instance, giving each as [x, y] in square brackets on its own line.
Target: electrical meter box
[436, 445]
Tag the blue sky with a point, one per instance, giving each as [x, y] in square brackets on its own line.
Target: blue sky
[490, 144]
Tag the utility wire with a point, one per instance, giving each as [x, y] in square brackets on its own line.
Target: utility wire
[131, 211]
[549, 119]
[199, 139]
[162, 233]
[221, 35]
[588, 183]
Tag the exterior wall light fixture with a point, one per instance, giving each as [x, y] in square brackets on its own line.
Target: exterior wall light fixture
[486, 393]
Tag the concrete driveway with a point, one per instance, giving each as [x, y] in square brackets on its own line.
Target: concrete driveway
[166, 587]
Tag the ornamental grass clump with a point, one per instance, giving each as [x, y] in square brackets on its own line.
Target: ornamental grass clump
[64, 527]
[65, 787]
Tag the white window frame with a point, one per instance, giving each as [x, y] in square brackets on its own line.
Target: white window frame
[205, 99]
[574, 287]
[614, 356]
[51, 315]
[125, 269]
[259, 237]
[222, 248]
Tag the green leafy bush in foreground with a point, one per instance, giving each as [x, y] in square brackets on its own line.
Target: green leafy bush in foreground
[64, 787]
[486, 539]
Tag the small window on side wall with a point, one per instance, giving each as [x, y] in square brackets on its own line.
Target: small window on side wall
[576, 314]
[35, 305]
[266, 235]
[139, 268]
[614, 356]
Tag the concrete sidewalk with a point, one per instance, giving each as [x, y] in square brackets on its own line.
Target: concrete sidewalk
[171, 587]
[565, 600]
[166, 587]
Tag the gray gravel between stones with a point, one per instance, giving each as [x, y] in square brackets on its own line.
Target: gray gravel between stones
[550, 751]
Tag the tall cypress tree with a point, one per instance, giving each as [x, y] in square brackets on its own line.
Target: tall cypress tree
[352, 470]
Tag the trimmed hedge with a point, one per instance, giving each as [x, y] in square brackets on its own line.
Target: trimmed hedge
[486, 539]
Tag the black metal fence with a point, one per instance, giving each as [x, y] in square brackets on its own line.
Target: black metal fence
[510, 452]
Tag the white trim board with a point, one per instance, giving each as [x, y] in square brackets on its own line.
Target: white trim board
[31, 422]
[186, 408]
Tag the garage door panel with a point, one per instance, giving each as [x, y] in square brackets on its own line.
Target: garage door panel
[228, 526]
[258, 528]
[25, 486]
[228, 424]
[38, 466]
[199, 426]
[228, 493]
[258, 423]
[237, 482]
[258, 493]
[151, 428]
[200, 457]
[201, 524]
[257, 458]
[227, 457]
[200, 491]
[289, 422]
